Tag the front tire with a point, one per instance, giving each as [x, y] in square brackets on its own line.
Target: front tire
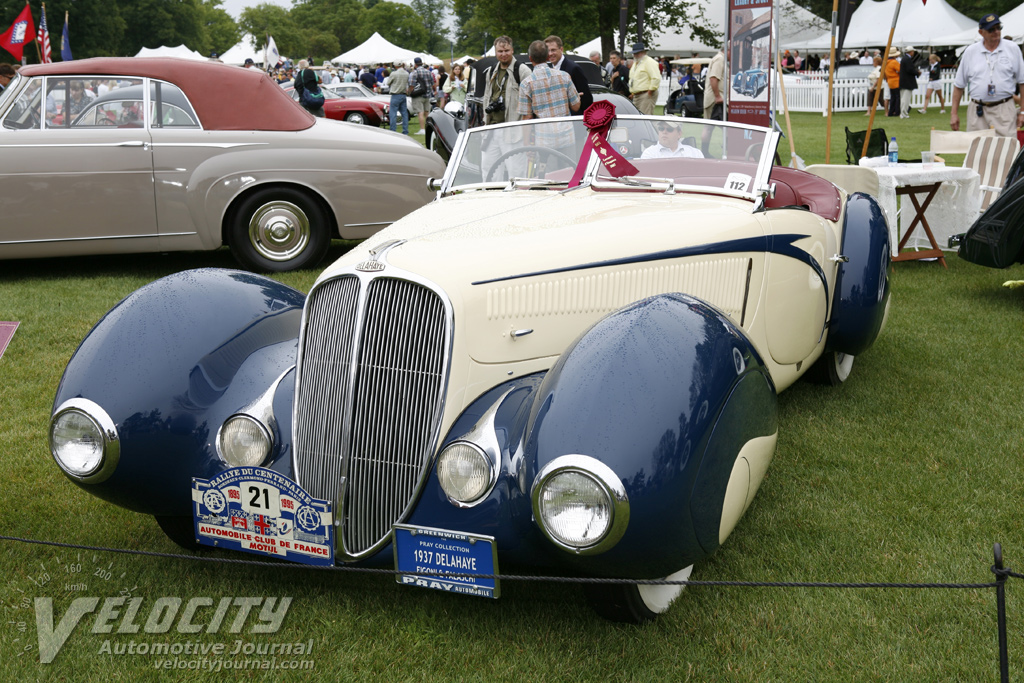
[635, 603]
[832, 369]
[279, 229]
[355, 117]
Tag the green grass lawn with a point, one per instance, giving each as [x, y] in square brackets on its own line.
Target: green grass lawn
[907, 473]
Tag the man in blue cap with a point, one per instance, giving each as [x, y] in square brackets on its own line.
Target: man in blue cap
[992, 71]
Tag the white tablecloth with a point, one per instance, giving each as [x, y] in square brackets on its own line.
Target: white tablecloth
[951, 212]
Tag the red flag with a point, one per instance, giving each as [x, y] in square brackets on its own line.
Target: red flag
[21, 31]
[44, 38]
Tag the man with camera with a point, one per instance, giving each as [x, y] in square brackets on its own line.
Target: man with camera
[501, 105]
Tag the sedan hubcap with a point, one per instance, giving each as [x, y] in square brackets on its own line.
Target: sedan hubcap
[279, 231]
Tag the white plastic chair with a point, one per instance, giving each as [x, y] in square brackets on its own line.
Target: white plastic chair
[956, 141]
[850, 178]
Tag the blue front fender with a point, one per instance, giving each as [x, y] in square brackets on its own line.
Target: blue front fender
[169, 364]
[666, 393]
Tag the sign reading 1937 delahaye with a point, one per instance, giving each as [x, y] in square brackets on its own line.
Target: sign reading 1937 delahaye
[554, 364]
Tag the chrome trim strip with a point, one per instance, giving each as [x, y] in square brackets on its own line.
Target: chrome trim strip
[215, 145]
[105, 237]
[602, 475]
[360, 225]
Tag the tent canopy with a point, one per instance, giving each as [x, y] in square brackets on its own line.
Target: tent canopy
[1013, 29]
[181, 52]
[795, 24]
[242, 51]
[379, 50]
[919, 24]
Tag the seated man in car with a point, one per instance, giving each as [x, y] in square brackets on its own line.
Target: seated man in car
[669, 144]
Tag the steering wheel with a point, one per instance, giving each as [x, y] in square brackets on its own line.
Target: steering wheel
[546, 151]
[754, 152]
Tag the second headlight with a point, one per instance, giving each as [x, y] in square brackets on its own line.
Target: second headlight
[580, 504]
[465, 473]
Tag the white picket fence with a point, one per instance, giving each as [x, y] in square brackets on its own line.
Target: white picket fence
[811, 94]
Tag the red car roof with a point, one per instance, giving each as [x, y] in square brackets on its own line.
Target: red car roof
[225, 97]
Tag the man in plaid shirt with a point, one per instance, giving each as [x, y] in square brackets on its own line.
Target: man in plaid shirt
[545, 94]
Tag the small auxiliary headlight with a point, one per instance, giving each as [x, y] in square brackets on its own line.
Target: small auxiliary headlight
[465, 472]
[244, 442]
[580, 504]
[83, 440]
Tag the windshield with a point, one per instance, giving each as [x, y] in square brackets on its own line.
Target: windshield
[730, 158]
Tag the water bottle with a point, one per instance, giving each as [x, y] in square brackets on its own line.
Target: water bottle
[894, 152]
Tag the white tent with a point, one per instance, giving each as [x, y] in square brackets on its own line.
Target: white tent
[919, 24]
[463, 59]
[795, 24]
[378, 50]
[585, 49]
[1013, 29]
[242, 51]
[180, 51]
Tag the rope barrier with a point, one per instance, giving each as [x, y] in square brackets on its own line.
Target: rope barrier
[1001, 573]
[513, 577]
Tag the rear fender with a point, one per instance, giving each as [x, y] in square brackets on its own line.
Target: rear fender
[862, 283]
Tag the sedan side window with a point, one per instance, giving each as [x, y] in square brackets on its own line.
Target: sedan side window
[172, 107]
[119, 104]
[24, 113]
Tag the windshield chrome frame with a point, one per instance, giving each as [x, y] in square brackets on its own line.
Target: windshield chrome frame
[760, 185]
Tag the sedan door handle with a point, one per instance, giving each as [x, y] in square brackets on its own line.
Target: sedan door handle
[132, 143]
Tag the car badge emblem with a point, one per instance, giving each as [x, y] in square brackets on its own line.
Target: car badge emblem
[370, 266]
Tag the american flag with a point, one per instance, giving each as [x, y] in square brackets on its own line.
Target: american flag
[43, 36]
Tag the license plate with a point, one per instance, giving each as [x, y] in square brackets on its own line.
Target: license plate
[440, 559]
[257, 510]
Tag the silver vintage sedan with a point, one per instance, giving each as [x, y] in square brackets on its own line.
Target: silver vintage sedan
[128, 155]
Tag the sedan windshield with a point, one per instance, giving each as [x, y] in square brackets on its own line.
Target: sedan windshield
[547, 153]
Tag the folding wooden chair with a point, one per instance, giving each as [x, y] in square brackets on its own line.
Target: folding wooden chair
[991, 157]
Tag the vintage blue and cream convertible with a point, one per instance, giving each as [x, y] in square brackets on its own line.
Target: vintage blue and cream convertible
[568, 361]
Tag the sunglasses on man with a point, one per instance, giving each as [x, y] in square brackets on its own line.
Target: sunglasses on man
[666, 128]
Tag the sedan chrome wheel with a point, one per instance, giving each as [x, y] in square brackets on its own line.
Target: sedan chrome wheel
[356, 117]
[279, 231]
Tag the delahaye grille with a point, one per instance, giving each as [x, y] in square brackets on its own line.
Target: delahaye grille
[368, 397]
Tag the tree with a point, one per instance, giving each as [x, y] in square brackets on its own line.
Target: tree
[434, 14]
[398, 23]
[152, 23]
[266, 19]
[340, 18]
[470, 32]
[221, 30]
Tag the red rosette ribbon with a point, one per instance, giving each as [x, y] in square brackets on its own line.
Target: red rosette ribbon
[598, 119]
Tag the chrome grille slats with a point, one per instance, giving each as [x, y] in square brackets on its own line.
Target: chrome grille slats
[369, 391]
[322, 389]
[401, 380]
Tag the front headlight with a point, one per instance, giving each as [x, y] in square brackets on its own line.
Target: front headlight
[84, 440]
[580, 504]
[244, 441]
[465, 472]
